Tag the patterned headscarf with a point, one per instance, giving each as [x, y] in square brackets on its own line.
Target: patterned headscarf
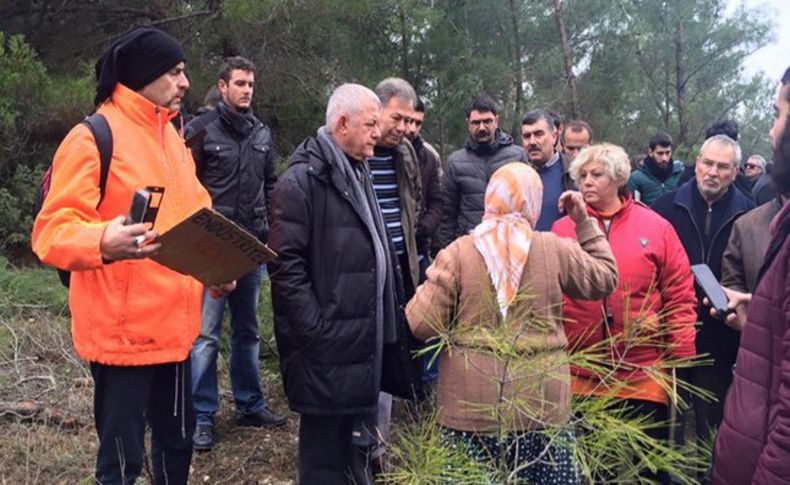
[512, 207]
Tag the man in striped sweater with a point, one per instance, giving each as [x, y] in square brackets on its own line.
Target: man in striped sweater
[396, 176]
[395, 173]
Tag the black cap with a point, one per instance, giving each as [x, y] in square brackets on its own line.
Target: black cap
[135, 60]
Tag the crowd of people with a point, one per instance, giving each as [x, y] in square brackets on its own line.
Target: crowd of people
[558, 244]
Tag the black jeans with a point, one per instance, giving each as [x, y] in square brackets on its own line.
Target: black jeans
[327, 455]
[125, 398]
[658, 413]
[717, 379]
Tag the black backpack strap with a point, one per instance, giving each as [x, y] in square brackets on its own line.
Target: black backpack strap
[98, 125]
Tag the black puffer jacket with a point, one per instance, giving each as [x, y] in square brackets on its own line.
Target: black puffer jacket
[464, 184]
[235, 162]
[324, 292]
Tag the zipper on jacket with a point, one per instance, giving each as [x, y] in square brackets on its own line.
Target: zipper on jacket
[605, 330]
[699, 234]
[708, 217]
[160, 130]
[168, 169]
[608, 315]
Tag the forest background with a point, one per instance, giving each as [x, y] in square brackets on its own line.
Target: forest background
[628, 67]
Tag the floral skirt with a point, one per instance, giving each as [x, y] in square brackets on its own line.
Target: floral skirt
[538, 457]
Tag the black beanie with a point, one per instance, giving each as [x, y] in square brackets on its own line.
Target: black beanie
[135, 60]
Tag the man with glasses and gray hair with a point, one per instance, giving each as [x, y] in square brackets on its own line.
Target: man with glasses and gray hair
[754, 167]
[703, 211]
[468, 169]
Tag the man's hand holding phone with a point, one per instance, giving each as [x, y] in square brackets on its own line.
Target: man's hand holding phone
[120, 241]
[737, 308]
[127, 237]
[726, 304]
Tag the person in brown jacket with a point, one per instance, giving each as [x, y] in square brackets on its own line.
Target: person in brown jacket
[747, 246]
[494, 297]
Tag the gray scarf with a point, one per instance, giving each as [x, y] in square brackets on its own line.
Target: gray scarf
[374, 221]
[241, 122]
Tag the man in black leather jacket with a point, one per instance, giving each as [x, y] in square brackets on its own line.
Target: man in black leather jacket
[232, 149]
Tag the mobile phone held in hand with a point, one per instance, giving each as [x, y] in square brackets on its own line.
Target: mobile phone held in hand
[139, 206]
[704, 278]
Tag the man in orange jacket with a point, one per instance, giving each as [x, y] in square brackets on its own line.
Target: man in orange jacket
[134, 320]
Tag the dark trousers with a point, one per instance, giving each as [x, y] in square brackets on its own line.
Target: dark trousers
[327, 455]
[408, 284]
[125, 399]
[658, 413]
[716, 379]
[708, 415]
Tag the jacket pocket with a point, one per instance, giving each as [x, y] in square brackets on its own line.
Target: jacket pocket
[217, 149]
[220, 158]
[109, 331]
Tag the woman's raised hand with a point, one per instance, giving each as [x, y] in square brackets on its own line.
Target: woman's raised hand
[571, 202]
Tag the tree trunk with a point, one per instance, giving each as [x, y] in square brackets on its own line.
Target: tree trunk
[404, 44]
[566, 56]
[518, 78]
[667, 101]
[680, 82]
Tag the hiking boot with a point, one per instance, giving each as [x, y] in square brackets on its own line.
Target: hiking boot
[203, 440]
[263, 418]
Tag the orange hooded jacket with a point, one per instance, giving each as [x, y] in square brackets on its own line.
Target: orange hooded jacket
[131, 312]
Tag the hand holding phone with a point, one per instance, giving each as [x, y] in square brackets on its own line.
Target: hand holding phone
[705, 279]
[121, 241]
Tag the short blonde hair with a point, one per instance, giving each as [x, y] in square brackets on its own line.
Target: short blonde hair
[613, 158]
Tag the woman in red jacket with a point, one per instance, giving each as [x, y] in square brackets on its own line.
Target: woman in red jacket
[650, 316]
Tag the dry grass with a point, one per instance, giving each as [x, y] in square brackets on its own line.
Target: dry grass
[46, 421]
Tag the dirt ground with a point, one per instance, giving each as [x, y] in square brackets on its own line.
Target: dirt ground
[46, 423]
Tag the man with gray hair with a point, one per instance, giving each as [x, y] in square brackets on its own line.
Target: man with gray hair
[395, 173]
[703, 211]
[754, 167]
[335, 292]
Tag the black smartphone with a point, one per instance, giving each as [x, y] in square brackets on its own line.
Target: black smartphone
[139, 206]
[154, 202]
[704, 278]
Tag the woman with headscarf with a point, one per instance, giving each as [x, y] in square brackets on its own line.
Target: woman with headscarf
[495, 297]
[649, 319]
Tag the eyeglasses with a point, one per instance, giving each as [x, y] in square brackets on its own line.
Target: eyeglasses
[752, 165]
[485, 122]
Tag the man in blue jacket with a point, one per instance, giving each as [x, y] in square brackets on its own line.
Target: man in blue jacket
[703, 211]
